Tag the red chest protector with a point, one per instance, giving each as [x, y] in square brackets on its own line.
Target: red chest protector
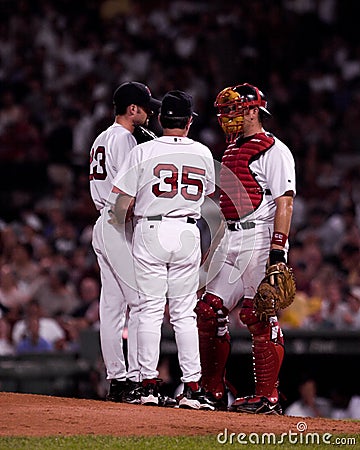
[239, 199]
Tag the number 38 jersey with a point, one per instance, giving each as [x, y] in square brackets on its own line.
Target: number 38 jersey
[169, 176]
[107, 156]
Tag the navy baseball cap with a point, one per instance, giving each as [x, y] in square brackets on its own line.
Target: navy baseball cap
[177, 104]
[135, 93]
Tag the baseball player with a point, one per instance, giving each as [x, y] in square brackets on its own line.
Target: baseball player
[165, 183]
[257, 180]
[133, 105]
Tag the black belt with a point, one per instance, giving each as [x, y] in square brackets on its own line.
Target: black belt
[234, 226]
[188, 220]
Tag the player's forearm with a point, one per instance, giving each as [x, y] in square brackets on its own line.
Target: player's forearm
[282, 221]
[123, 208]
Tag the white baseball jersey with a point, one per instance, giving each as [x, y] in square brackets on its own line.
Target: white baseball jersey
[169, 178]
[239, 262]
[162, 184]
[108, 154]
[275, 172]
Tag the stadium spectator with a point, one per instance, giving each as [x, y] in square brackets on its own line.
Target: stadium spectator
[13, 294]
[350, 317]
[49, 329]
[333, 305]
[31, 341]
[87, 313]
[25, 269]
[349, 410]
[6, 347]
[56, 293]
[309, 404]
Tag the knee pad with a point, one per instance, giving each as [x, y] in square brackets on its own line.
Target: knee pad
[247, 313]
[212, 316]
[268, 329]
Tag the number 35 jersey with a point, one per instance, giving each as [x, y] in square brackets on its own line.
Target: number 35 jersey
[168, 176]
[108, 154]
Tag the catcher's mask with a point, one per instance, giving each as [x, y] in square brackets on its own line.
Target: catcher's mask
[232, 102]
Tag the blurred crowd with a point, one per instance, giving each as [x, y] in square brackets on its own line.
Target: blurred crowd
[340, 404]
[59, 65]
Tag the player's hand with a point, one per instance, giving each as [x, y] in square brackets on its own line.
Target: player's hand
[113, 220]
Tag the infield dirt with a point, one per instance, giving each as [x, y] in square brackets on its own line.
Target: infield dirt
[38, 415]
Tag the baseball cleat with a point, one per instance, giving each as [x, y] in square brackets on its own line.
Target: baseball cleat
[149, 400]
[133, 393]
[150, 393]
[124, 392]
[194, 398]
[220, 404]
[116, 390]
[167, 402]
[256, 405]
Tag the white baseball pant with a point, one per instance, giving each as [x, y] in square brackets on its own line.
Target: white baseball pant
[167, 258]
[239, 264]
[118, 290]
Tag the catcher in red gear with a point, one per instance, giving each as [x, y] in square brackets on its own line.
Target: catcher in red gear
[257, 181]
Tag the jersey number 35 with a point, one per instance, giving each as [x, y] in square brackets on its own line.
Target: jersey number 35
[191, 188]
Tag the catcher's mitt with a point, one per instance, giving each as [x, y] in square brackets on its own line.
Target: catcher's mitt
[276, 291]
[143, 134]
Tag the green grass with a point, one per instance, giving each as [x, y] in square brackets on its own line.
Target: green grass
[160, 443]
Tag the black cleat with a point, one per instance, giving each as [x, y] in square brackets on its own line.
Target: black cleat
[194, 399]
[256, 405]
[167, 402]
[133, 393]
[220, 404]
[150, 393]
[116, 390]
[124, 392]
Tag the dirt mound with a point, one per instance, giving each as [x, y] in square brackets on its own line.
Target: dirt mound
[38, 415]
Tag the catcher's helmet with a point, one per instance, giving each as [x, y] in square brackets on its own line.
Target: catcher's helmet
[251, 96]
[231, 103]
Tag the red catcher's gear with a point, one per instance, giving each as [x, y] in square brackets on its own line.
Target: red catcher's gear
[267, 348]
[214, 343]
[241, 194]
[232, 102]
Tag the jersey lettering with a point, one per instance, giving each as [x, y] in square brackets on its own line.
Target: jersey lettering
[172, 180]
[185, 179]
[97, 164]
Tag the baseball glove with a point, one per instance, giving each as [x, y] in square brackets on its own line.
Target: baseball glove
[276, 291]
[143, 134]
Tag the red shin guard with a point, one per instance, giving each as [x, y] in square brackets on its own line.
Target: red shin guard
[267, 348]
[214, 353]
[214, 349]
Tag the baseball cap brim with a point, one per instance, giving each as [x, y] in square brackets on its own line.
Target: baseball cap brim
[154, 103]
